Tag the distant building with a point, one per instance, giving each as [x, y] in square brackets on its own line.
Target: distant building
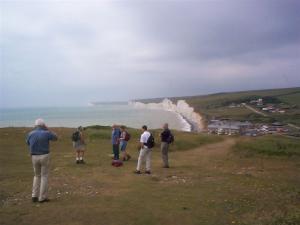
[269, 108]
[228, 127]
[251, 132]
[233, 105]
[258, 102]
[277, 124]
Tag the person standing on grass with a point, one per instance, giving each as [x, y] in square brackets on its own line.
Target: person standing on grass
[79, 145]
[166, 139]
[125, 137]
[38, 141]
[115, 140]
[146, 143]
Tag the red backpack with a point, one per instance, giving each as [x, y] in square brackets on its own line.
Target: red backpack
[127, 136]
[117, 163]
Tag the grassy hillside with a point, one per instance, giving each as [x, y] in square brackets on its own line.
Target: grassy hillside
[216, 105]
[269, 145]
[212, 181]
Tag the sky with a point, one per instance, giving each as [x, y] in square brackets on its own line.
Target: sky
[71, 52]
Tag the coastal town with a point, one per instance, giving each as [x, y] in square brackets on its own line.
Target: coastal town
[245, 128]
[264, 107]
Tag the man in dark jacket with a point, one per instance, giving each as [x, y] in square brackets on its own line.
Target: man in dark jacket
[38, 141]
[165, 137]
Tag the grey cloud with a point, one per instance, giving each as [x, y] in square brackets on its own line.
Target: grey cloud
[119, 50]
[203, 30]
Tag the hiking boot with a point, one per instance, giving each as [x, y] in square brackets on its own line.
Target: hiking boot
[137, 172]
[45, 200]
[77, 161]
[148, 172]
[82, 161]
[166, 166]
[35, 199]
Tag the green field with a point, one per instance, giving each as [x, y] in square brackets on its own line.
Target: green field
[216, 105]
[268, 145]
[212, 181]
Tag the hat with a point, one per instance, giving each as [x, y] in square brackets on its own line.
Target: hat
[39, 122]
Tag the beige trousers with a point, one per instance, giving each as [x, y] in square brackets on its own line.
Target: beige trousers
[164, 153]
[41, 171]
[145, 154]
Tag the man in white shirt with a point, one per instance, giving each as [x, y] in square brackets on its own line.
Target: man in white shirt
[145, 152]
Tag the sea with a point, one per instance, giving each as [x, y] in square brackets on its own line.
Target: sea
[102, 114]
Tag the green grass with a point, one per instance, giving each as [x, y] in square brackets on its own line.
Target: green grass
[184, 140]
[207, 184]
[216, 105]
[270, 145]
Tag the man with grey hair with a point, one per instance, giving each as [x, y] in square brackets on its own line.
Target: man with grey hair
[38, 141]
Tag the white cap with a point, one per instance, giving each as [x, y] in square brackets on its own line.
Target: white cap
[39, 122]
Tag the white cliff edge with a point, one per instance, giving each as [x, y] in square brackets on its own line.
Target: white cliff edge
[192, 120]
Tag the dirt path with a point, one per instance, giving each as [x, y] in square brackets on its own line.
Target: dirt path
[207, 151]
[294, 126]
[255, 110]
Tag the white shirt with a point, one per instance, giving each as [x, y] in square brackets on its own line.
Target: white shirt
[144, 137]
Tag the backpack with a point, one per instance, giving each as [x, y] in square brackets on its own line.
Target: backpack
[117, 163]
[150, 142]
[170, 139]
[127, 136]
[76, 136]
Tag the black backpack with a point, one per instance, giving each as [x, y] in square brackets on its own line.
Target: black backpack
[76, 136]
[150, 142]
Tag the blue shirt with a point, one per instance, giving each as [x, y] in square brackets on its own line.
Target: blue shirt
[38, 140]
[116, 133]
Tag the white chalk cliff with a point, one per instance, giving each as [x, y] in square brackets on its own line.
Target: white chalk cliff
[182, 108]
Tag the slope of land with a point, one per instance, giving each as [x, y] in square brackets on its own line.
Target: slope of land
[218, 105]
[212, 180]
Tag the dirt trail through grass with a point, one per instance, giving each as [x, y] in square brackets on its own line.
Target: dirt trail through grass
[208, 185]
[211, 150]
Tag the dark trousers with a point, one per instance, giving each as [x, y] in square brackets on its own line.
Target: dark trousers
[116, 151]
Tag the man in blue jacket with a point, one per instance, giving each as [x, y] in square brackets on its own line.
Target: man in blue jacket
[115, 140]
[38, 141]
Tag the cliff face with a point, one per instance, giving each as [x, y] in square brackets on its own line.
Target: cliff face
[182, 108]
